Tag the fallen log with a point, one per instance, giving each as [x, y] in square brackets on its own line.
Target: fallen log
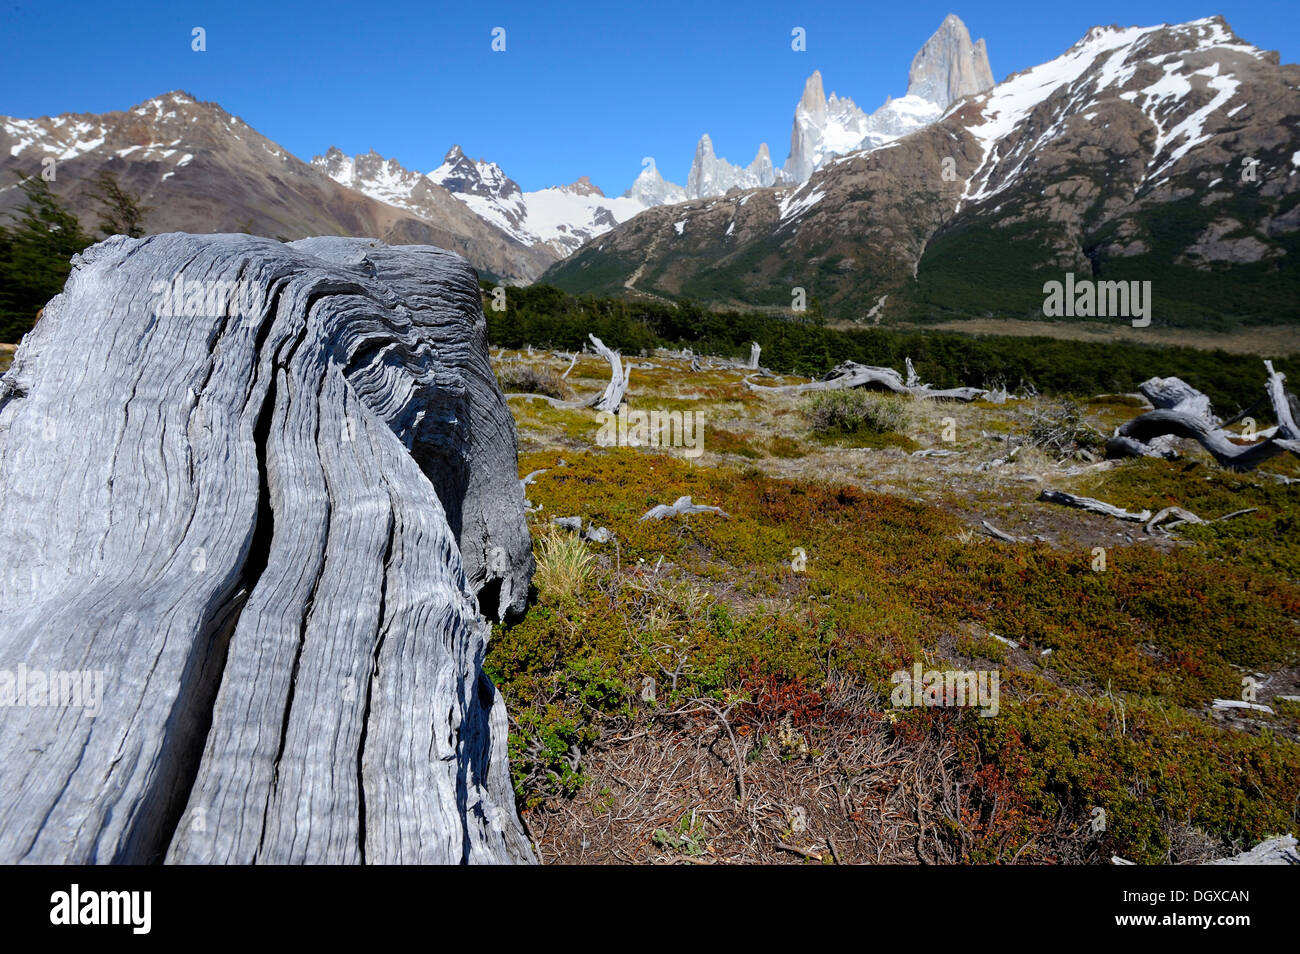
[1180, 516]
[263, 524]
[1239, 704]
[1093, 505]
[850, 374]
[1001, 534]
[680, 507]
[1272, 851]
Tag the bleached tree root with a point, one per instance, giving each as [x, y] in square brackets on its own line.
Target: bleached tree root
[1002, 535]
[1182, 411]
[1092, 505]
[612, 396]
[608, 400]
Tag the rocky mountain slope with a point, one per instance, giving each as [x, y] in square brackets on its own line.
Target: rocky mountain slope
[1168, 154]
[202, 170]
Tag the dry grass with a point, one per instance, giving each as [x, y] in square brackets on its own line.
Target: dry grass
[704, 784]
[564, 564]
[532, 379]
[1266, 341]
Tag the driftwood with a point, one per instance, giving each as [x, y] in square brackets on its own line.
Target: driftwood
[1273, 851]
[1002, 535]
[1093, 505]
[259, 524]
[593, 533]
[1000, 461]
[1239, 704]
[850, 374]
[754, 352]
[618, 378]
[1182, 411]
[608, 400]
[934, 452]
[680, 507]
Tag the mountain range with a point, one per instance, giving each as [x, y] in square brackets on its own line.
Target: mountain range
[1166, 153]
[201, 169]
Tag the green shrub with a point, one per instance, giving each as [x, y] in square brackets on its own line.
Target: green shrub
[850, 413]
[1063, 428]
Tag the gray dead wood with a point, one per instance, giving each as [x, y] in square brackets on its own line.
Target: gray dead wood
[850, 374]
[1272, 851]
[1092, 505]
[266, 522]
[608, 400]
[1002, 534]
[680, 507]
[1182, 411]
[612, 396]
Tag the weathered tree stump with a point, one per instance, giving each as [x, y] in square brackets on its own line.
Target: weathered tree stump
[257, 488]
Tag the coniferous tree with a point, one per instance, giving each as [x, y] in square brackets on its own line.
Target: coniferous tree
[35, 257]
[120, 211]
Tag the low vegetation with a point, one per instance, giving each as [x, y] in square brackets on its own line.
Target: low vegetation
[543, 316]
[719, 688]
[532, 379]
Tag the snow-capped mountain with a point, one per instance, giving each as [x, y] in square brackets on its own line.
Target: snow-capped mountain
[651, 189]
[712, 175]
[824, 128]
[1179, 78]
[557, 220]
[946, 68]
[1167, 153]
[199, 169]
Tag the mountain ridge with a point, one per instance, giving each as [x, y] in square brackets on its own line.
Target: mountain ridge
[1110, 159]
[201, 169]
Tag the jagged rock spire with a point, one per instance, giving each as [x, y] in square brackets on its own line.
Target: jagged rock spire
[949, 66]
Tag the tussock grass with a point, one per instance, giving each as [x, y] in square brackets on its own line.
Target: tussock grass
[564, 564]
[1063, 428]
[532, 379]
[850, 412]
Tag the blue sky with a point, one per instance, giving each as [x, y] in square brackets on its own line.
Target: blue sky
[581, 89]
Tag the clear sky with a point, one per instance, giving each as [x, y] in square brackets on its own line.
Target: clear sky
[581, 88]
